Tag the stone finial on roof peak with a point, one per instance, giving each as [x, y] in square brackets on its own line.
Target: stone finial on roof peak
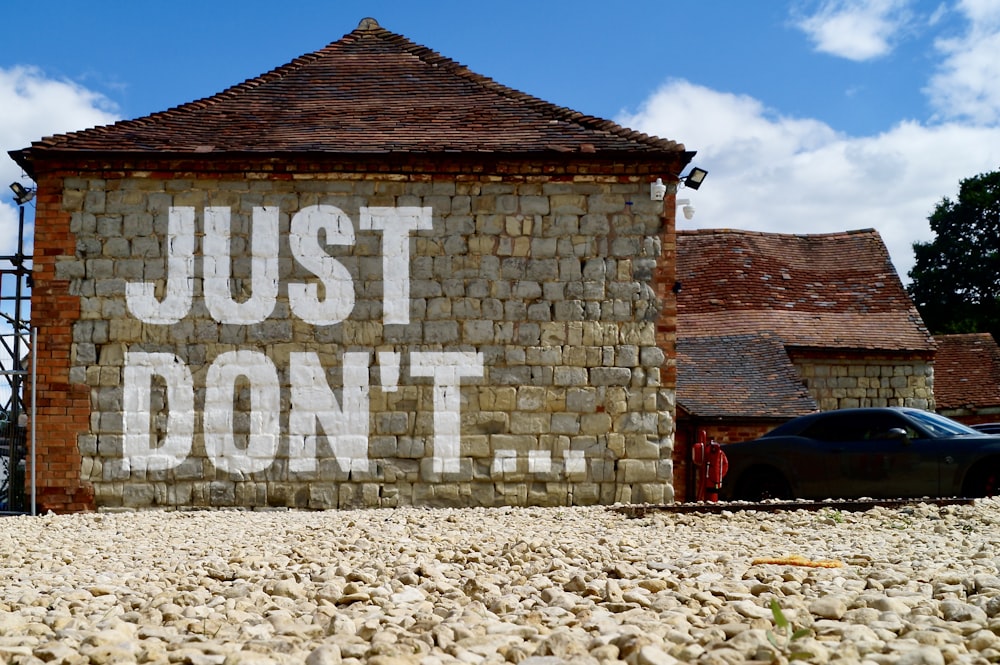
[368, 23]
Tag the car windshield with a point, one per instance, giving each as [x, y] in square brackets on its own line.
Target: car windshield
[938, 426]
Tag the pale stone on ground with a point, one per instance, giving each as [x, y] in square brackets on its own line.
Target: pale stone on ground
[535, 586]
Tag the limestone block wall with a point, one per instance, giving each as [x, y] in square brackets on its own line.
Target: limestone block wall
[840, 383]
[324, 341]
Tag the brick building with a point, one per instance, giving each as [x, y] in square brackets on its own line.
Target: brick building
[369, 277]
[848, 333]
[734, 388]
[967, 378]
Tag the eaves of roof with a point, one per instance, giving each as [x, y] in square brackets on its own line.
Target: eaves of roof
[373, 92]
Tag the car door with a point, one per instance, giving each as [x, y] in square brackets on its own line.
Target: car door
[877, 454]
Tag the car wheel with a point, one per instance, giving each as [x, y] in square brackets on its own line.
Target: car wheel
[763, 484]
[983, 481]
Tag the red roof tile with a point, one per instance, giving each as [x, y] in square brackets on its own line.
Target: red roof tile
[739, 376]
[835, 290]
[966, 371]
[371, 92]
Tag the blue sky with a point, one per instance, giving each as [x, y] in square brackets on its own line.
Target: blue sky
[810, 115]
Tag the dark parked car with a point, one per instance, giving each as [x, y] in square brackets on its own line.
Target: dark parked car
[882, 453]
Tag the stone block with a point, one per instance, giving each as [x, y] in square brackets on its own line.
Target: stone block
[94, 201]
[570, 376]
[137, 495]
[581, 400]
[595, 423]
[530, 398]
[568, 204]
[539, 311]
[445, 478]
[637, 471]
[642, 447]
[222, 493]
[610, 376]
[484, 494]
[529, 423]
[565, 423]
[637, 422]
[485, 422]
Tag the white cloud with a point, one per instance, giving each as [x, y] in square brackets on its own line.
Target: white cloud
[856, 29]
[967, 84]
[793, 175]
[35, 106]
[8, 230]
[983, 12]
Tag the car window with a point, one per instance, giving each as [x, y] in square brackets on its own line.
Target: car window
[858, 427]
[835, 427]
[876, 426]
[939, 426]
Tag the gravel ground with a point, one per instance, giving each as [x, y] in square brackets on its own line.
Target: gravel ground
[918, 584]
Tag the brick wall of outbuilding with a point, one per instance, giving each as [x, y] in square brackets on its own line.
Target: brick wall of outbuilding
[558, 284]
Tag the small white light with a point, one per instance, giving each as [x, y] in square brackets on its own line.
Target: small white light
[657, 190]
[687, 209]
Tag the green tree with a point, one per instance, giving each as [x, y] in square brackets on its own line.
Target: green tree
[955, 282]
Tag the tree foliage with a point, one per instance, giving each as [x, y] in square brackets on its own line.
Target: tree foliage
[955, 282]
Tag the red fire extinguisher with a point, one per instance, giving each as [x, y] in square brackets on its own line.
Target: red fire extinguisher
[711, 466]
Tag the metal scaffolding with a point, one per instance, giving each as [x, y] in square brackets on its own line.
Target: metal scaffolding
[17, 342]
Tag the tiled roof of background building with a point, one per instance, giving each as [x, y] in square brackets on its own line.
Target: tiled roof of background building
[739, 376]
[966, 371]
[371, 92]
[835, 290]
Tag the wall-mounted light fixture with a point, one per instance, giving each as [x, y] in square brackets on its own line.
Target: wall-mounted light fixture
[687, 209]
[657, 190]
[21, 193]
[693, 180]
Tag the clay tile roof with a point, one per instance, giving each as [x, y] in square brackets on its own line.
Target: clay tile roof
[737, 376]
[371, 92]
[836, 290]
[966, 371]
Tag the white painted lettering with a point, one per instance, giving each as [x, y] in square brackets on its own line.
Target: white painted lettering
[396, 225]
[447, 370]
[139, 453]
[303, 241]
[313, 401]
[140, 297]
[388, 362]
[265, 404]
[217, 265]
[250, 446]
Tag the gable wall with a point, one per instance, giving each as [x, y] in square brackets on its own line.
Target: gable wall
[529, 370]
[839, 382]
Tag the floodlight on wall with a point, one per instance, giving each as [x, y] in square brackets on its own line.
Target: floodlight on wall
[687, 209]
[694, 178]
[21, 193]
